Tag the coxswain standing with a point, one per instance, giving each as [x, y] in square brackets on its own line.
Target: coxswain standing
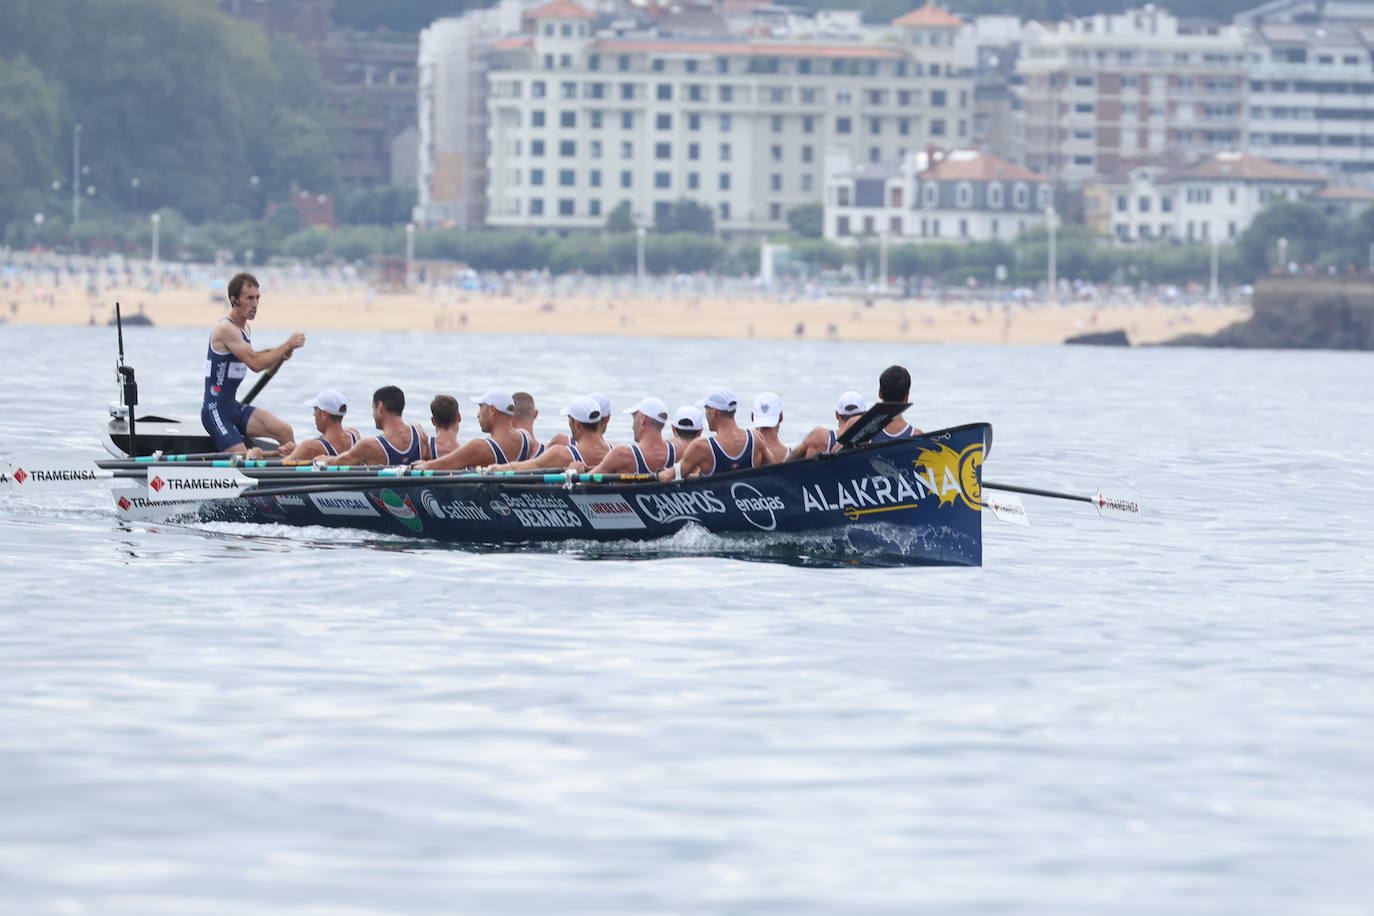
[730, 449]
[503, 441]
[850, 406]
[650, 453]
[398, 443]
[767, 418]
[228, 358]
[334, 437]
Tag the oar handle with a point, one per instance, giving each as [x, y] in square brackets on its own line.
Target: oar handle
[262, 382]
[1032, 491]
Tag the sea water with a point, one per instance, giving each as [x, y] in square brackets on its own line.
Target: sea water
[1175, 716]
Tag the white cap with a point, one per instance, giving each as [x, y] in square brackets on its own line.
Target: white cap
[767, 410]
[688, 417]
[501, 400]
[851, 404]
[603, 403]
[720, 399]
[330, 401]
[652, 408]
[583, 409]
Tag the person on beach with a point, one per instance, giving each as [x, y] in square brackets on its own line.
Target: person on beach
[585, 446]
[767, 417]
[334, 437]
[446, 417]
[398, 443]
[649, 453]
[894, 387]
[850, 406]
[228, 358]
[729, 449]
[523, 419]
[503, 442]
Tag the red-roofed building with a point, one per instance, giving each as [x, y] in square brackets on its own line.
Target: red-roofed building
[560, 9]
[962, 195]
[929, 16]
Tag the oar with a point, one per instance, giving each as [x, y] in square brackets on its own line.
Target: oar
[872, 420]
[262, 382]
[1121, 506]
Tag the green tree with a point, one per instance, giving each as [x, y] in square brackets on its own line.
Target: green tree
[684, 215]
[1302, 225]
[807, 220]
[620, 219]
[30, 115]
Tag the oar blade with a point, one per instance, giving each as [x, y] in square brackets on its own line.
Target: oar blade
[1117, 504]
[51, 475]
[1007, 508]
[174, 484]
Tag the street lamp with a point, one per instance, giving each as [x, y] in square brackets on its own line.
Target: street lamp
[1283, 255]
[640, 233]
[1052, 279]
[1213, 290]
[76, 174]
[156, 219]
[883, 241]
[410, 252]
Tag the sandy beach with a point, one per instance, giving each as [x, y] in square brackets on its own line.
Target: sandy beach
[448, 311]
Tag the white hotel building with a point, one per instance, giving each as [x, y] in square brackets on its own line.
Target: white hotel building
[584, 114]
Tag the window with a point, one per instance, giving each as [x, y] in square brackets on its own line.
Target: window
[937, 98]
[1143, 205]
[627, 179]
[724, 210]
[537, 89]
[537, 118]
[627, 149]
[725, 123]
[727, 93]
[963, 195]
[568, 90]
[593, 208]
[937, 127]
[963, 228]
[623, 63]
[659, 65]
[775, 211]
[693, 150]
[694, 122]
[775, 151]
[536, 147]
[1085, 81]
[536, 206]
[596, 120]
[775, 182]
[663, 122]
[904, 126]
[662, 180]
[537, 177]
[1166, 205]
[875, 154]
[809, 96]
[596, 149]
[724, 182]
[627, 91]
[663, 150]
[930, 194]
[1123, 203]
[875, 126]
[567, 119]
[594, 63]
[567, 178]
[567, 148]
[807, 182]
[725, 152]
[565, 206]
[842, 125]
[776, 123]
[696, 92]
[995, 196]
[627, 120]
[693, 181]
[807, 153]
[594, 178]
[842, 225]
[665, 92]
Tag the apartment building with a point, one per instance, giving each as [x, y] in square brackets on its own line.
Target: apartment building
[1311, 98]
[588, 110]
[964, 195]
[1106, 88]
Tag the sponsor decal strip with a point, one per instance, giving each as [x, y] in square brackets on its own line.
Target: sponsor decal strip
[852, 513]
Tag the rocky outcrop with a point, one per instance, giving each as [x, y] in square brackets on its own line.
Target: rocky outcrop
[1301, 312]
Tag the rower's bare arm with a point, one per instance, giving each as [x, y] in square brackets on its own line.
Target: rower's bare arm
[619, 460]
[228, 338]
[367, 451]
[471, 454]
[556, 456]
[560, 439]
[692, 463]
[308, 450]
[811, 445]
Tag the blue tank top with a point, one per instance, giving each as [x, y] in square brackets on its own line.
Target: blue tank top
[833, 439]
[223, 371]
[723, 462]
[500, 455]
[883, 435]
[352, 441]
[393, 457]
[642, 465]
[576, 455]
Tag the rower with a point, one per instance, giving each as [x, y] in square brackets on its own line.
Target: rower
[649, 453]
[495, 411]
[688, 422]
[446, 417]
[850, 406]
[894, 387]
[228, 358]
[767, 417]
[334, 437]
[584, 429]
[603, 404]
[523, 419]
[398, 443]
[730, 449]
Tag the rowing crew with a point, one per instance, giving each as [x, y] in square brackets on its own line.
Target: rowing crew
[509, 442]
